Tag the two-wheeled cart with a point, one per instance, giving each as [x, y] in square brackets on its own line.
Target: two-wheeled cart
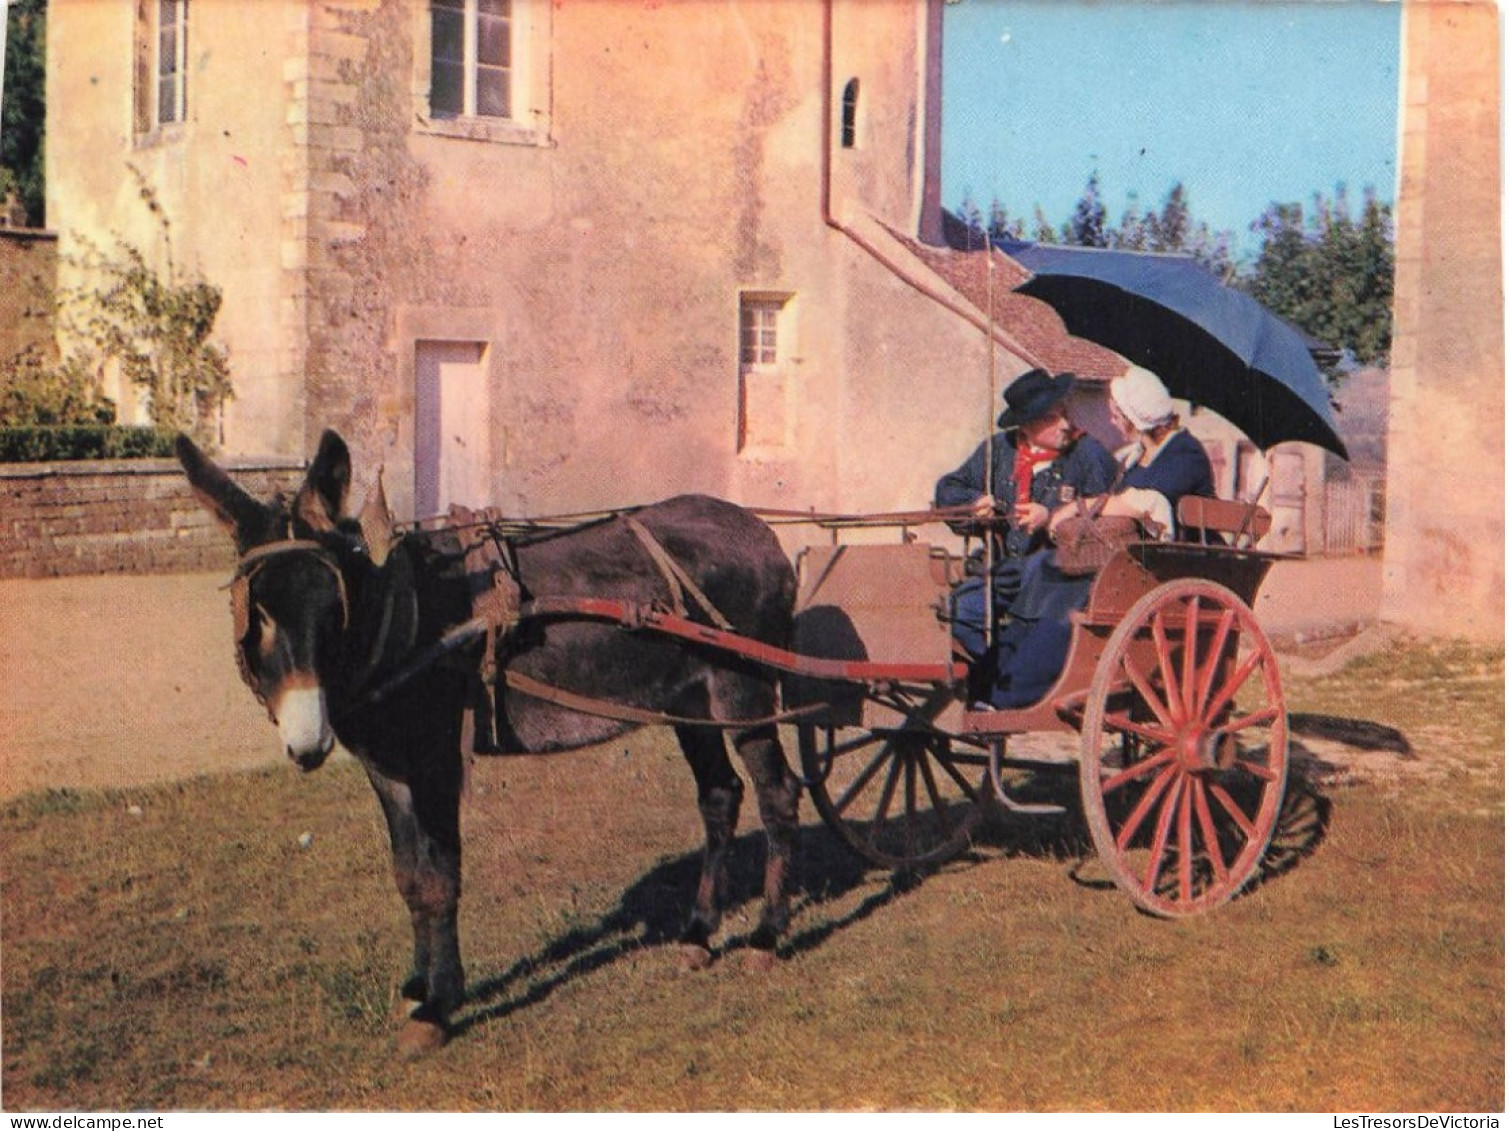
[1170, 684]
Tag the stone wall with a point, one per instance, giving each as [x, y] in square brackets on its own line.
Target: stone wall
[126, 516]
[1444, 556]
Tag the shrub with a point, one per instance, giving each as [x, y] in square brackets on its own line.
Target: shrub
[49, 443]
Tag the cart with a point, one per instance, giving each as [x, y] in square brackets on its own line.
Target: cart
[1170, 685]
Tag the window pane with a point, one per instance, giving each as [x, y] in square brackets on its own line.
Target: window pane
[445, 89]
[494, 7]
[492, 92]
[447, 35]
[493, 41]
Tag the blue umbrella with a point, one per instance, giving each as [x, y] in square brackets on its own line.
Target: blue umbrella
[1212, 345]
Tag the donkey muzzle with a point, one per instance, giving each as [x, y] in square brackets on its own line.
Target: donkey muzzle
[304, 725]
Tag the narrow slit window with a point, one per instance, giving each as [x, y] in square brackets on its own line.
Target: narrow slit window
[850, 114]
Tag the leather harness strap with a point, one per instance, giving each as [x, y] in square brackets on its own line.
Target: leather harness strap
[676, 577]
[527, 685]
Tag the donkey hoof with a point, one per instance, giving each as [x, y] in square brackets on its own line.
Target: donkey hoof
[406, 1007]
[695, 956]
[417, 1038]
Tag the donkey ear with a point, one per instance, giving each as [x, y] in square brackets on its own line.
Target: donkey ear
[322, 499]
[241, 514]
[377, 523]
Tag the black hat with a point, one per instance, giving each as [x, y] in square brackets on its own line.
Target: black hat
[1033, 395]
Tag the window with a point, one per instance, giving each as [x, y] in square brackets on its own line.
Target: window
[162, 44]
[765, 357]
[471, 59]
[846, 133]
[759, 332]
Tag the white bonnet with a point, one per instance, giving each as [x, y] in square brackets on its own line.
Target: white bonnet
[1142, 398]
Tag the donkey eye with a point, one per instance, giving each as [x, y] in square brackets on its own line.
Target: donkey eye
[266, 629]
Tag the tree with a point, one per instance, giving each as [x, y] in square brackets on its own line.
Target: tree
[1087, 227]
[24, 112]
[1332, 276]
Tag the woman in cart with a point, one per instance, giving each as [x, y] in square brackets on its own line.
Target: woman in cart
[1161, 465]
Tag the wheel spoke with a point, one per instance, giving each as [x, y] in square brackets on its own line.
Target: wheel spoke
[1166, 666]
[1232, 685]
[1122, 722]
[1191, 638]
[1208, 832]
[1258, 770]
[1233, 810]
[883, 806]
[857, 786]
[1213, 660]
[940, 806]
[1256, 719]
[1149, 696]
[1149, 799]
[946, 759]
[1133, 772]
[1160, 838]
[1186, 845]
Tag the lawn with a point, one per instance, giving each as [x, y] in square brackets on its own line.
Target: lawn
[234, 942]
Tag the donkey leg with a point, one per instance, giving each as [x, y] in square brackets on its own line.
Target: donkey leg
[778, 791]
[424, 827]
[719, 792]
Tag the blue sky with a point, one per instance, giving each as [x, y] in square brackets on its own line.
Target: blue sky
[1245, 101]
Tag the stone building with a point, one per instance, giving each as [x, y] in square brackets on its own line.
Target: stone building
[1444, 556]
[553, 256]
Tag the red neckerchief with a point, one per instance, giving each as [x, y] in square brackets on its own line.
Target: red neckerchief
[1028, 459]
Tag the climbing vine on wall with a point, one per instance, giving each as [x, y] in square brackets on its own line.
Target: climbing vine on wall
[155, 324]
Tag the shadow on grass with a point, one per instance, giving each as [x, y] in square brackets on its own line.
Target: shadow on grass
[653, 911]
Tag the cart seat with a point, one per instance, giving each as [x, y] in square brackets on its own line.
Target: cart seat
[1245, 523]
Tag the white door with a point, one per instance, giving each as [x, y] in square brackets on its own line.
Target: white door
[451, 426]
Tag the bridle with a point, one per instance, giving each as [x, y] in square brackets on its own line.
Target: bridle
[252, 563]
[255, 560]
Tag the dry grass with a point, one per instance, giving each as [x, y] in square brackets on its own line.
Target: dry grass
[178, 948]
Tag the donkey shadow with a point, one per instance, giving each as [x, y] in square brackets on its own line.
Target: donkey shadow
[652, 911]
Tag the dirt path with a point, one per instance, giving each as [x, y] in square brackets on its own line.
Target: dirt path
[124, 680]
[115, 681]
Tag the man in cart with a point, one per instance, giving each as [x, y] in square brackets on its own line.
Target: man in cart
[1037, 463]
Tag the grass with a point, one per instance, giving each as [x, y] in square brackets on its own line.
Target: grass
[187, 947]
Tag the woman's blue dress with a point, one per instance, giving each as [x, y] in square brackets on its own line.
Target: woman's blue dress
[1034, 646]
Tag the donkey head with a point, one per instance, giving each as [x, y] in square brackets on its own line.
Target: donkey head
[289, 594]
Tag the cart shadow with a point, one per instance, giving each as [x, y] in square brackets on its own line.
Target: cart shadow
[834, 891]
[1299, 830]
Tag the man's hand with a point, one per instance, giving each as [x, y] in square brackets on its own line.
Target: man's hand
[1031, 516]
[984, 507]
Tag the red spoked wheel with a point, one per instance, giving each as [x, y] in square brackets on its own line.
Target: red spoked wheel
[903, 796]
[1184, 749]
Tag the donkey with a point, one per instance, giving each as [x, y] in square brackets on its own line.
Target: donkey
[334, 624]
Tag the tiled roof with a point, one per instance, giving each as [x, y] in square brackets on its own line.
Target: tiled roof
[1029, 321]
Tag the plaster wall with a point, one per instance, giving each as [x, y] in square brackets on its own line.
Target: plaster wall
[220, 178]
[1444, 556]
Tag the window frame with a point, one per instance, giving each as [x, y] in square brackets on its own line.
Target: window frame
[528, 66]
[154, 85]
[765, 385]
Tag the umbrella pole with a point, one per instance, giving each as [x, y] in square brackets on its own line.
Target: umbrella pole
[990, 432]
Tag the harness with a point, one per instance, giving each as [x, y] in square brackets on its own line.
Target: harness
[498, 606]
[252, 563]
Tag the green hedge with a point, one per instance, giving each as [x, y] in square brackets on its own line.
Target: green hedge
[48, 443]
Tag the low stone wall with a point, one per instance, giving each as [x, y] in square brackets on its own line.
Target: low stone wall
[125, 516]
